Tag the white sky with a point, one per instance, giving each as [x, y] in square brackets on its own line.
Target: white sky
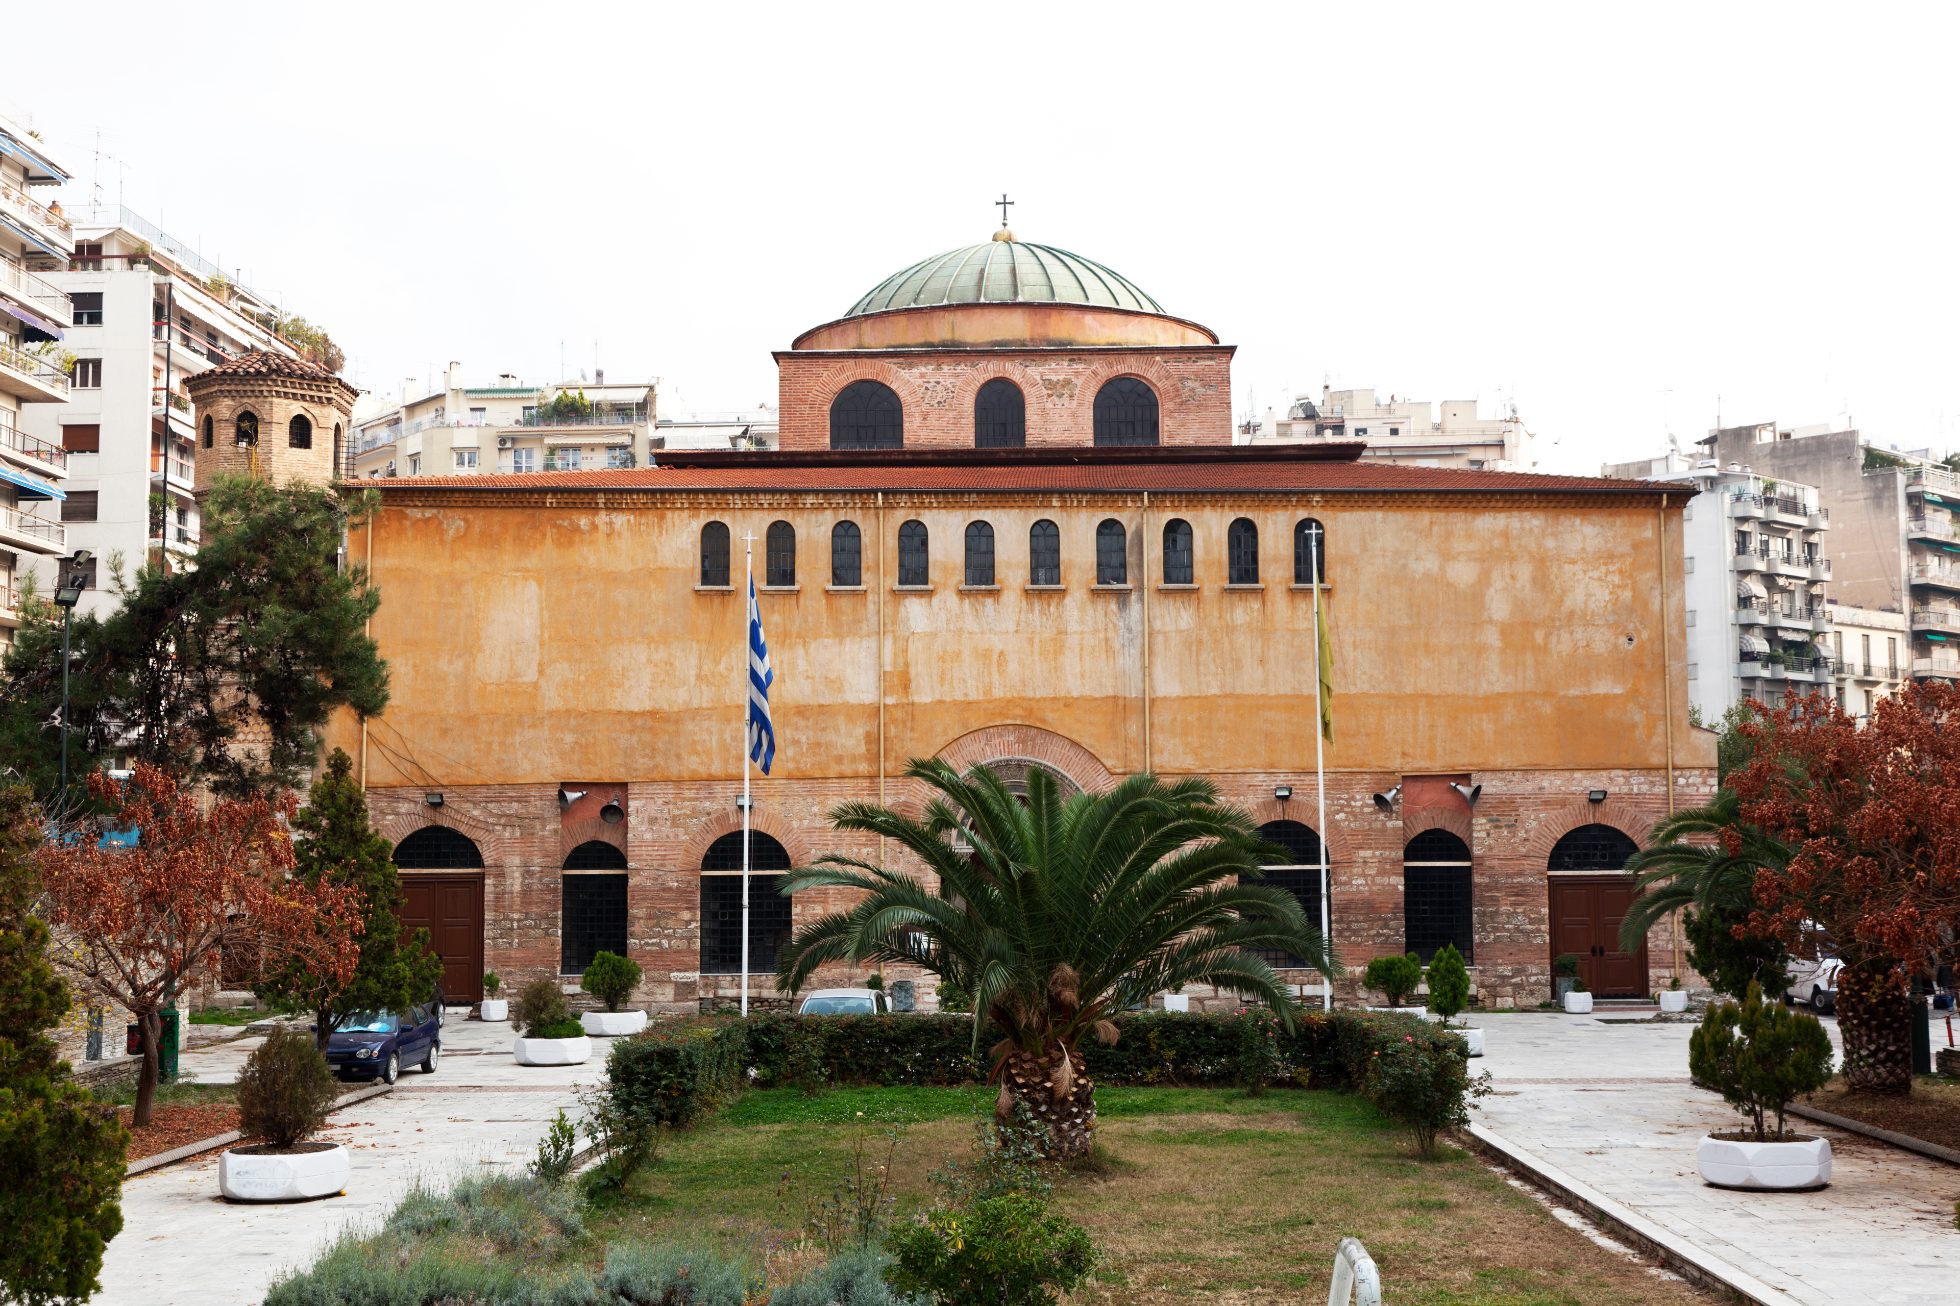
[1612, 216]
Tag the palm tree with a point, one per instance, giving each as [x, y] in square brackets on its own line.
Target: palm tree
[1056, 914]
[1704, 860]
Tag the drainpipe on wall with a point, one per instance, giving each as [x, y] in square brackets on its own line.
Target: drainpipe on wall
[368, 630]
[881, 668]
[1144, 584]
[1667, 693]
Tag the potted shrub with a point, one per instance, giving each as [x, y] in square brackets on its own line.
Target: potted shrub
[284, 1094]
[550, 1037]
[1759, 1056]
[612, 978]
[1395, 978]
[1673, 998]
[1577, 1000]
[1449, 993]
[493, 1007]
[1565, 970]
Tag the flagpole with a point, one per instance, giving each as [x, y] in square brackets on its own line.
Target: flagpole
[748, 707]
[1319, 764]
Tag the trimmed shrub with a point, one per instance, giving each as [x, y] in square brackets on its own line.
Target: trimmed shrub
[491, 983]
[611, 978]
[1423, 1087]
[541, 1007]
[1758, 1056]
[1395, 978]
[674, 1074]
[285, 1089]
[1449, 983]
[1008, 1249]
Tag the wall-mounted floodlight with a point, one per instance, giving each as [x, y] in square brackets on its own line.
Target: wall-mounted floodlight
[1282, 792]
[1387, 801]
[1596, 796]
[433, 800]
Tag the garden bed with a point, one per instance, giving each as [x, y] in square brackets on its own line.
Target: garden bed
[183, 1113]
[1930, 1114]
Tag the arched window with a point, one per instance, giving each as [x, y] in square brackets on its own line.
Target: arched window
[438, 848]
[208, 433]
[1592, 848]
[1242, 552]
[721, 904]
[592, 905]
[1436, 895]
[299, 432]
[867, 415]
[1177, 552]
[1126, 412]
[1309, 553]
[846, 554]
[338, 454]
[247, 428]
[1044, 553]
[1000, 416]
[779, 554]
[979, 553]
[1112, 553]
[913, 559]
[1299, 874]
[714, 554]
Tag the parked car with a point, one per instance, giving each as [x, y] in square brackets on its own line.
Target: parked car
[845, 1002]
[378, 1044]
[1814, 975]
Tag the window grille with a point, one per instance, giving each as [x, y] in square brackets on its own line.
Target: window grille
[1299, 875]
[867, 415]
[592, 920]
[721, 904]
[1436, 887]
[437, 848]
[1178, 568]
[1000, 416]
[979, 553]
[1309, 552]
[1592, 848]
[913, 557]
[1044, 553]
[714, 553]
[1242, 552]
[779, 554]
[207, 431]
[1112, 553]
[846, 554]
[299, 432]
[1126, 413]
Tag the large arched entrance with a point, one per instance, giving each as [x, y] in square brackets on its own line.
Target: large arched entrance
[442, 892]
[1590, 894]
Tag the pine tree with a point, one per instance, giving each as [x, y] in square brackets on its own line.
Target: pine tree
[338, 848]
[61, 1155]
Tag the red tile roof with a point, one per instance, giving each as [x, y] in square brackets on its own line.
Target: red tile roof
[264, 362]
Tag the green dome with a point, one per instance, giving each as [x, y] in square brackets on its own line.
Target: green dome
[1005, 271]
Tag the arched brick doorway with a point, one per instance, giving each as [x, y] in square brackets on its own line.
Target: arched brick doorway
[1590, 894]
[442, 892]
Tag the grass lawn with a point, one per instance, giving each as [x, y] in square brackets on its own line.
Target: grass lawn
[230, 1015]
[1196, 1195]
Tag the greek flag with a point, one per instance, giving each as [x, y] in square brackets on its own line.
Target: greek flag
[762, 735]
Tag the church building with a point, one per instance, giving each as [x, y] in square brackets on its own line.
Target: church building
[1007, 525]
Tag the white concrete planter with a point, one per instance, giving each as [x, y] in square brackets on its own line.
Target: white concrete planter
[1674, 1001]
[1578, 1004]
[1420, 1013]
[552, 1051]
[1472, 1036]
[1792, 1163]
[494, 1009]
[251, 1175]
[1177, 1002]
[613, 1024]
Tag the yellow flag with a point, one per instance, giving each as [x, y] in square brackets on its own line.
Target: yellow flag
[1325, 659]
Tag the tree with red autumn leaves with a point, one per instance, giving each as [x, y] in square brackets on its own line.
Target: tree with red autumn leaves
[141, 917]
[1871, 815]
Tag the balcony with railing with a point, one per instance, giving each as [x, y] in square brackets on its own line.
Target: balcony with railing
[1940, 480]
[1936, 576]
[36, 454]
[1936, 668]
[30, 291]
[20, 530]
[1931, 527]
[30, 377]
[173, 471]
[10, 601]
[618, 417]
[1935, 618]
[43, 219]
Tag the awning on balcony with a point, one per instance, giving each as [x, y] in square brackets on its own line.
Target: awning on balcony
[38, 169]
[32, 318]
[52, 251]
[1749, 587]
[1754, 644]
[30, 487]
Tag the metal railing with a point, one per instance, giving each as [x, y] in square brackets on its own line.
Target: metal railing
[1936, 666]
[1936, 575]
[32, 446]
[1941, 477]
[1941, 526]
[1934, 617]
[637, 416]
[40, 528]
[35, 369]
[39, 211]
[44, 293]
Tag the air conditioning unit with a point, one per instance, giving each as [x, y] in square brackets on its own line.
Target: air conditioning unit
[391, 467]
[503, 442]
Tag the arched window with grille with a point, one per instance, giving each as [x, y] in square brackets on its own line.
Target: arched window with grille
[1000, 416]
[1309, 552]
[299, 432]
[979, 553]
[714, 554]
[1126, 413]
[246, 428]
[721, 905]
[1044, 553]
[208, 430]
[1299, 874]
[1178, 566]
[1112, 553]
[867, 415]
[846, 555]
[1592, 847]
[438, 848]
[779, 554]
[592, 903]
[914, 557]
[1436, 895]
[1242, 552]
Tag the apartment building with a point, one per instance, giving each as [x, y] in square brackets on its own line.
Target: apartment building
[508, 426]
[754, 429]
[1399, 430]
[150, 312]
[1873, 649]
[1896, 542]
[35, 316]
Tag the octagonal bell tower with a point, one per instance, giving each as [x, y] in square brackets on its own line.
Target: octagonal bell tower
[271, 417]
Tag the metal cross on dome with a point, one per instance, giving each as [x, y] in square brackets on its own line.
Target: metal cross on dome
[1002, 204]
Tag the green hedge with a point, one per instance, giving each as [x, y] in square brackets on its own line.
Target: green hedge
[678, 1072]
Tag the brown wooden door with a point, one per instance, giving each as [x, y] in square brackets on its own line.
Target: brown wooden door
[1586, 911]
[450, 908]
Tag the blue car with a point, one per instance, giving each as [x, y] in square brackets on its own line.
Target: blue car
[379, 1044]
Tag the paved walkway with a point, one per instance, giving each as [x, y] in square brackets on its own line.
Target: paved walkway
[1609, 1104]
[480, 1112]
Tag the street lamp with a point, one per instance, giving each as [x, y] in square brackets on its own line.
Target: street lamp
[67, 593]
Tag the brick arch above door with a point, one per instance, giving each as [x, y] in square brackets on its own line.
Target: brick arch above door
[703, 836]
[1634, 821]
[1026, 743]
